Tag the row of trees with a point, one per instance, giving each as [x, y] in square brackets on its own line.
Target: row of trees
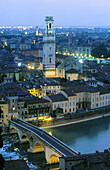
[100, 52]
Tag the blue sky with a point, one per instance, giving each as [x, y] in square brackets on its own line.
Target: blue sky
[65, 12]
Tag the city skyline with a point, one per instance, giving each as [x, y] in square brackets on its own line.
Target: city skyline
[66, 13]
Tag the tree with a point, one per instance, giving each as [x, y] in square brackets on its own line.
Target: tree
[99, 51]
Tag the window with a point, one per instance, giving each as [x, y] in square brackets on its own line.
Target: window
[50, 48]
[65, 110]
[69, 110]
[73, 103]
[93, 99]
[73, 109]
[50, 60]
[100, 98]
[58, 105]
[79, 100]
[70, 103]
[93, 106]
[97, 98]
[25, 112]
[103, 97]
[62, 104]
[106, 97]
[65, 104]
[50, 25]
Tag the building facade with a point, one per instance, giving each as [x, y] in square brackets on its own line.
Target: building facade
[4, 113]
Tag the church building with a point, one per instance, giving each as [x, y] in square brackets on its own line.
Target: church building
[50, 67]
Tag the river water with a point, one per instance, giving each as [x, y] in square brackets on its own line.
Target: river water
[85, 137]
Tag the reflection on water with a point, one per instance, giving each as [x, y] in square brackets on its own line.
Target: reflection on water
[83, 137]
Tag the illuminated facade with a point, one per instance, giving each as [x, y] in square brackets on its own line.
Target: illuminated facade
[49, 48]
[35, 92]
[4, 116]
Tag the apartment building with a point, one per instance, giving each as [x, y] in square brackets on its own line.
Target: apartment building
[33, 108]
[50, 88]
[89, 97]
[4, 112]
[59, 104]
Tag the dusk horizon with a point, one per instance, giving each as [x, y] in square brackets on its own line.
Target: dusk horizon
[65, 13]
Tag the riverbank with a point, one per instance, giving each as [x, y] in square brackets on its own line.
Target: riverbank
[75, 121]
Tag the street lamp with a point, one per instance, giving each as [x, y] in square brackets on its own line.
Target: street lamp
[19, 64]
[81, 61]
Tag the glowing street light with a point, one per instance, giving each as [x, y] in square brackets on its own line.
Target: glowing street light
[19, 64]
[81, 61]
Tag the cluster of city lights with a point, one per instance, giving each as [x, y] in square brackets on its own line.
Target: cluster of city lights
[30, 66]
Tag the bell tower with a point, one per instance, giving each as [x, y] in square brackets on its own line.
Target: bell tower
[49, 48]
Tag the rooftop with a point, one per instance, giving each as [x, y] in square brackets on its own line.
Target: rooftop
[57, 97]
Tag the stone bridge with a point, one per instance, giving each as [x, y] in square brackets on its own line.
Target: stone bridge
[40, 140]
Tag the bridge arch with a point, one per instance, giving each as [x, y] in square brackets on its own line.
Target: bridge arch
[38, 148]
[53, 159]
[24, 139]
[15, 130]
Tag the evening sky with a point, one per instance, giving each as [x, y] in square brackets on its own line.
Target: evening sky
[65, 12]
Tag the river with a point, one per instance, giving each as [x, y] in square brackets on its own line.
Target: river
[85, 137]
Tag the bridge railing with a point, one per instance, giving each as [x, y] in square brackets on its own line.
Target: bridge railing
[51, 137]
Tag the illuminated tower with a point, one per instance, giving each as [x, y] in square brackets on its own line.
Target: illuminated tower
[37, 31]
[49, 48]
